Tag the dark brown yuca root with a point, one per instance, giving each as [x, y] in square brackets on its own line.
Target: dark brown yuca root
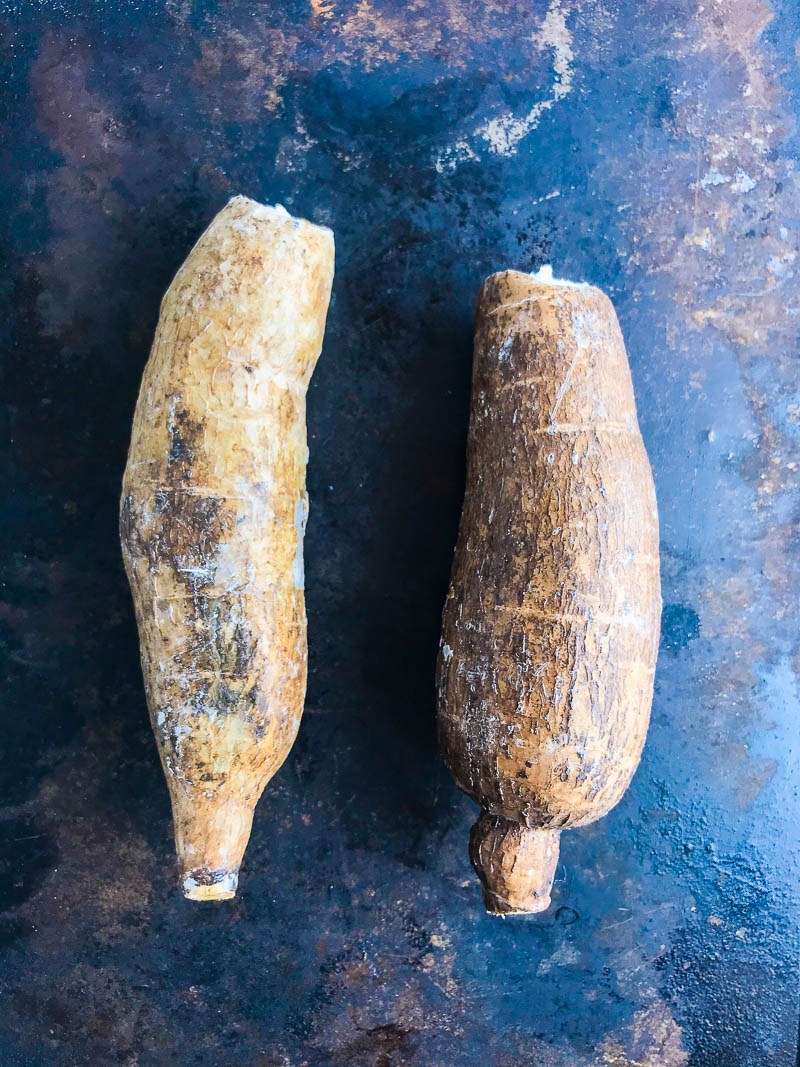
[550, 628]
[516, 865]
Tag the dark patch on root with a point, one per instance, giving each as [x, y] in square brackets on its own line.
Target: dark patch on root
[206, 876]
[183, 530]
[185, 434]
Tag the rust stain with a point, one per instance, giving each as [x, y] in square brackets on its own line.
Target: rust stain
[652, 1039]
[244, 68]
[245, 73]
[715, 216]
[102, 886]
[82, 126]
[380, 36]
[740, 187]
[322, 9]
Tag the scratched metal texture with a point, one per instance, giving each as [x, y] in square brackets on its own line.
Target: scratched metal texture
[648, 148]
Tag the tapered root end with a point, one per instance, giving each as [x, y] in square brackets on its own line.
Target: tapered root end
[211, 834]
[202, 884]
[516, 864]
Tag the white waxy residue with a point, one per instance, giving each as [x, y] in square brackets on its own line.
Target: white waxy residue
[300, 519]
[544, 275]
[451, 156]
[743, 183]
[505, 348]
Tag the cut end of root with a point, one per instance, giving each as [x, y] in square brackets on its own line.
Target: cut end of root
[202, 884]
[241, 208]
[516, 864]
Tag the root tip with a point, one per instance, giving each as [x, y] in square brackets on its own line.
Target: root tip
[516, 864]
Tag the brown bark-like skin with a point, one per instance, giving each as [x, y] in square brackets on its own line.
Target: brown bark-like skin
[551, 625]
[212, 519]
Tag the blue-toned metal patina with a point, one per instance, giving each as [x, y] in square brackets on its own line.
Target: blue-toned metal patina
[647, 148]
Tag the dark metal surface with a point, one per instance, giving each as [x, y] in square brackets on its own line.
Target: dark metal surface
[645, 147]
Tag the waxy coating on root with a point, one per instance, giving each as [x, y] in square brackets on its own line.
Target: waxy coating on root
[551, 625]
[212, 518]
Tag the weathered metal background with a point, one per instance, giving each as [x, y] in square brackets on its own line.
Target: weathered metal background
[646, 147]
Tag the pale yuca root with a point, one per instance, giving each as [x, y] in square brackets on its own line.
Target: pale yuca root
[212, 519]
[551, 624]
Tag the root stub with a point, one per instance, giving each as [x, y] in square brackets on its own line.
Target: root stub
[211, 834]
[516, 864]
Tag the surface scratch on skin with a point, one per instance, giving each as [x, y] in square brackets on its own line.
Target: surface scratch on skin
[564, 386]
